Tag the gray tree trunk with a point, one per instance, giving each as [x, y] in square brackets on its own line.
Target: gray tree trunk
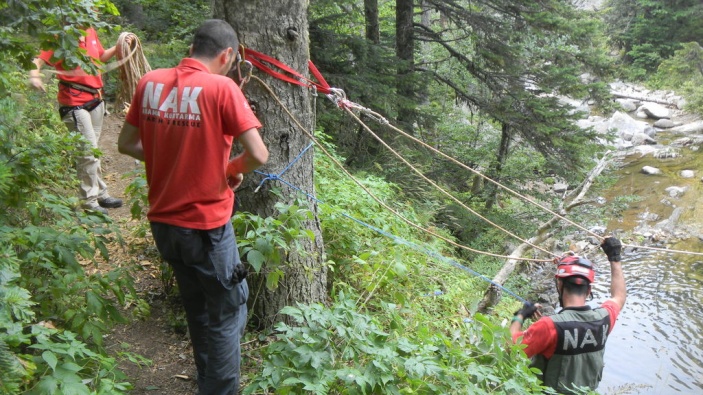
[503, 151]
[373, 32]
[279, 28]
[405, 51]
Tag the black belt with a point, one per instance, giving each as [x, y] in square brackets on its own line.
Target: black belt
[89, 106]
[80, 87]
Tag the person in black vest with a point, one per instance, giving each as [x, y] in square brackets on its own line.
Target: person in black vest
[568, 347]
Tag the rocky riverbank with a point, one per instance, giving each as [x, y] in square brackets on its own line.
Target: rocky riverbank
[654, 143]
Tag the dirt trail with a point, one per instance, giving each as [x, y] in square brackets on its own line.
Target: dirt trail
[155, 338]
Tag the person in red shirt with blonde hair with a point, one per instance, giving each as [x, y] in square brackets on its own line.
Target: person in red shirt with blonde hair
[82, 109]
[182, 122]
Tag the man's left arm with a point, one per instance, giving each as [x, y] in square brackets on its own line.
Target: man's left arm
[539, 338]
[112, 51]
[528, 310]
[108, 54]
[130, 142]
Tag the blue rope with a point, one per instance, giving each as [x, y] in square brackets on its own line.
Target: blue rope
[274, 177]
[400, 240]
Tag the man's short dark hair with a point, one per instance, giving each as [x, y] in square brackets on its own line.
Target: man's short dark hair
[576, 289]
[212, 37]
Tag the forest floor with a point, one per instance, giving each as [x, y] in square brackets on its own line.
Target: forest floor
[160, 337]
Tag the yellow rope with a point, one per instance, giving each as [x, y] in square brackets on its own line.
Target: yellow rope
[374, 197]
[457, 162]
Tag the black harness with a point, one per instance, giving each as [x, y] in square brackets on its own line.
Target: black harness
[88, 106]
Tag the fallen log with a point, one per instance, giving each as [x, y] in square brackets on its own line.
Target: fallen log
[644, 98]
[492, 295]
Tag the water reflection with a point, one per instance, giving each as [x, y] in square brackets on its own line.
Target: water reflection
[656, 346]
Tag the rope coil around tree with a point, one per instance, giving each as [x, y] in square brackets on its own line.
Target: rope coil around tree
[287, 74]
[273, 177]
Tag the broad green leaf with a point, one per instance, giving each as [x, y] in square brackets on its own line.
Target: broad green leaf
[256, 260]
[50, 358]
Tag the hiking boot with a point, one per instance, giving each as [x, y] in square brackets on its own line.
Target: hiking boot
[95, 208]
[110, 202]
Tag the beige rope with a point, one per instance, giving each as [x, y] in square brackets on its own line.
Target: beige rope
[439, 188]
[134, 66]
[374, 197]
[101, 69]
[339, 98]
[344, 103]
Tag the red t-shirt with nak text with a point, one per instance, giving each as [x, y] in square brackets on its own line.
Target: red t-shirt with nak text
[70, 96]
[187, 119]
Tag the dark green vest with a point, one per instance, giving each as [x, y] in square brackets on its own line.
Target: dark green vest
[578, 358]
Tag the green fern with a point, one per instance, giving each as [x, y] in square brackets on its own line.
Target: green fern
[10, 371]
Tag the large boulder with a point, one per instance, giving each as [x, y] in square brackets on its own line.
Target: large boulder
[675, 192]
[655, 111]
[651, 170]
[627, 105]
[689, 128]
[687, 173]
[642, 139]
[625, 126]
[664, 123]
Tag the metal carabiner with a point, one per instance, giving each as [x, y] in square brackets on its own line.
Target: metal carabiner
[249, 71]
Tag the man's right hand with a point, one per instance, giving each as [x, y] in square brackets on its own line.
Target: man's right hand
[612, 248]
[235, 181]
[36, 82]
[35, 79]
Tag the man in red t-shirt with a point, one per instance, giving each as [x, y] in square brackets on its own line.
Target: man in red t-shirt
[568, 347]
[181, 123]
[82, 109]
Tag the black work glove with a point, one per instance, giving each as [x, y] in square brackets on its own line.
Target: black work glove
[527, 311]
[612, 248]
[240, 272]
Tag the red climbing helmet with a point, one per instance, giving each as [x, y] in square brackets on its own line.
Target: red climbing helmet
[578, 270]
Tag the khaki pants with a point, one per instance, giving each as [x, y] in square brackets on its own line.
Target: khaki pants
[89, 124]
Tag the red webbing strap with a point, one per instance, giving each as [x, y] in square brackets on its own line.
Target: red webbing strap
[260, 61]
[316, 73]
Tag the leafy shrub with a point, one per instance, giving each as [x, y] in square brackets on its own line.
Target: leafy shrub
[164, 20]
[54, 309]
[683, 72]
[342, 350]
[263, 242]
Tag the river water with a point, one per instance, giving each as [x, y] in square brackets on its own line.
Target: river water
[656, 346]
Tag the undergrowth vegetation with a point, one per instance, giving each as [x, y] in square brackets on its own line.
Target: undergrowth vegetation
[402, 314]
[58, 300]
[388, 349]
[401, 311]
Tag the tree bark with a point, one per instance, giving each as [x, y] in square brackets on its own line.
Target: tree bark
[503, 151]
[405, 51]
[373, 32]
[492, 295]
[279, 28]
